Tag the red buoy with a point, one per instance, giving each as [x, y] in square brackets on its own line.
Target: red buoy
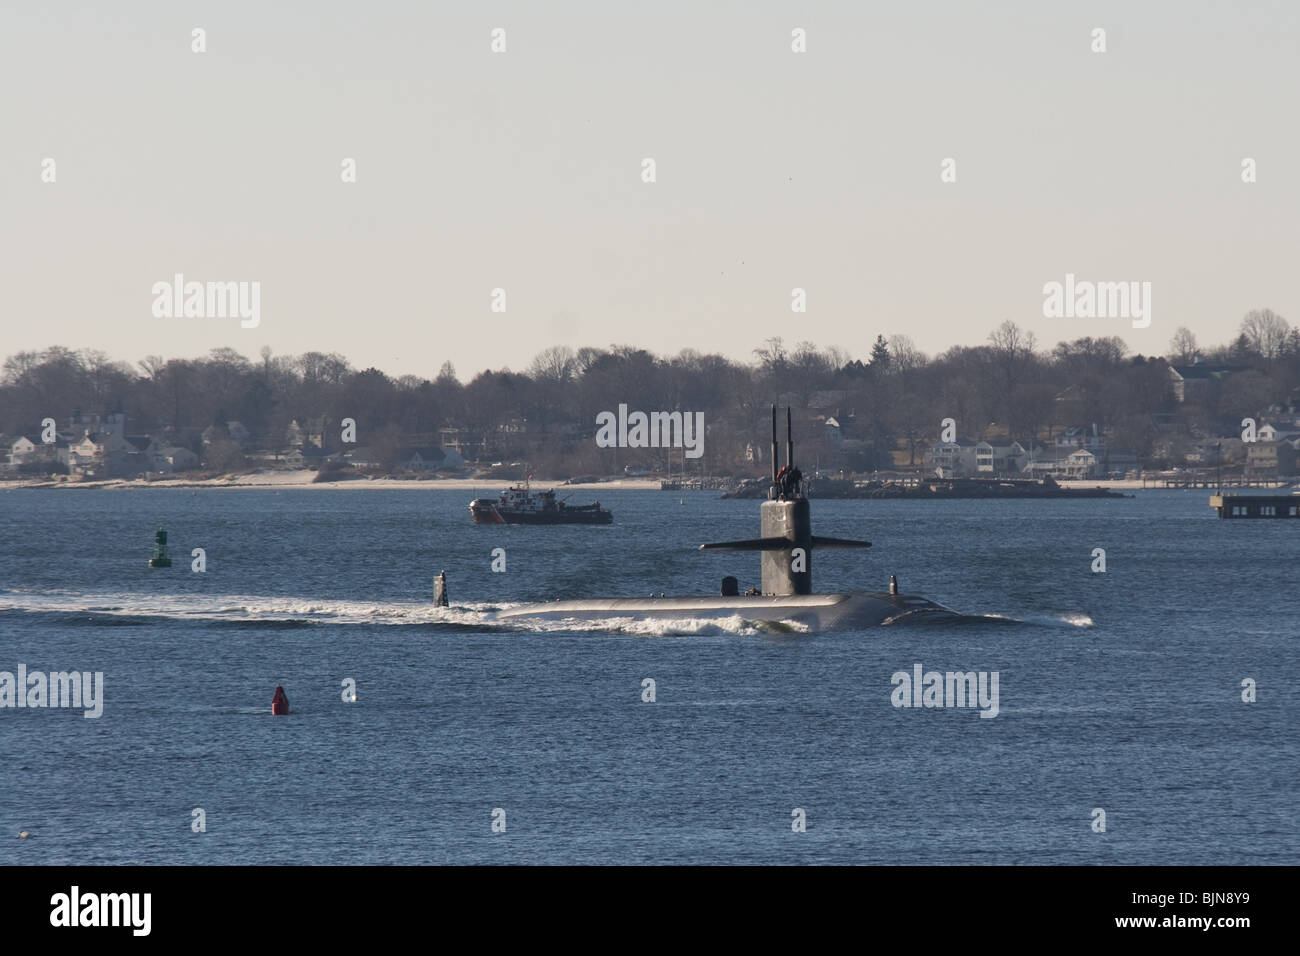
[280, 702]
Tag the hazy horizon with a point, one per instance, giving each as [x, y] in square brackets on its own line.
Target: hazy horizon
[522, 170]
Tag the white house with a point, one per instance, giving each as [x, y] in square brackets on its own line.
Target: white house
[1278, 433]
[431, 459]
[999, 459]
[21, 451]
[1062, 463]
[86, 455]
[954, 458]
[25, 450]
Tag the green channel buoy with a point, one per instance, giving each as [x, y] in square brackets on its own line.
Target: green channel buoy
[160, 557]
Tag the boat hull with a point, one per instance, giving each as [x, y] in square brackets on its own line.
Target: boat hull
[493, 515]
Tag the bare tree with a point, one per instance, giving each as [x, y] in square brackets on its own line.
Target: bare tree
[103, 374]
[1089, 354]
[1266, 331]
[774, 368]
[905, 355]
[1183, 346]
[1010, 339]
[317, 368]
[812, 370]
[587, 357]
[838, 357]
[810, 362]
[772, 355]
[152, 366]
[18, 365]
[554, 365]
[1013, 350]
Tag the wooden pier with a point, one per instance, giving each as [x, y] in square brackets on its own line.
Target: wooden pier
[1256, 506]
[1201, 481]
[707, 483]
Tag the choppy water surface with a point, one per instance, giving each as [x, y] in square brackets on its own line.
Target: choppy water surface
[1119, 691]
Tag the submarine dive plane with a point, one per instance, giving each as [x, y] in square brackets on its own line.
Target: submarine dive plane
[786, 548]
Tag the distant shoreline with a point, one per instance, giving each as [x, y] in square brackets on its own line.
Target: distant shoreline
[302, 480]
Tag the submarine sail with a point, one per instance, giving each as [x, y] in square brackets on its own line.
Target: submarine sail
[786, 525]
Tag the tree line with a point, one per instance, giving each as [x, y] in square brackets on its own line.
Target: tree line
[893, 398]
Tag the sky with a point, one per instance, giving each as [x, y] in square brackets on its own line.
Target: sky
[522, 170]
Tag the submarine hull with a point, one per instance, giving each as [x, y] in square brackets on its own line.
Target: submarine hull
[786, 546]
[821, 611]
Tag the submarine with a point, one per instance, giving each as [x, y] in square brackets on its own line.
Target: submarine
[786, 545]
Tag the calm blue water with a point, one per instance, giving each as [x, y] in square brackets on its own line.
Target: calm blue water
[1120, 691]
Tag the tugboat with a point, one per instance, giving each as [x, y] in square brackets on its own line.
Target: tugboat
[518, 505]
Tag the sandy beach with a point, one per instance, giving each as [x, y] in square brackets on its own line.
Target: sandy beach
[303, 479]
